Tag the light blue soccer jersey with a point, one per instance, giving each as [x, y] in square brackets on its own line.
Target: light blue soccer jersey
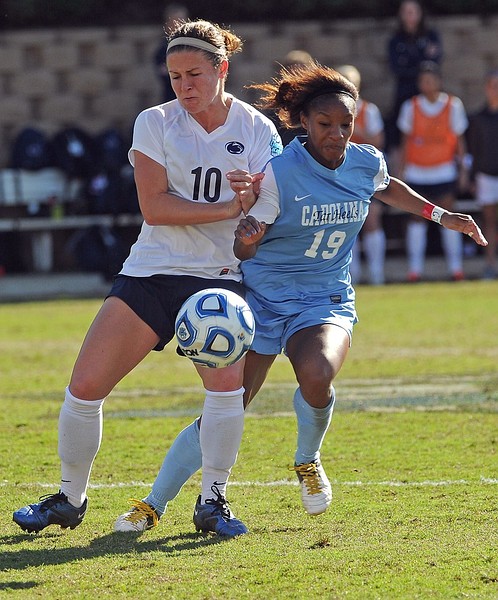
[305, 255]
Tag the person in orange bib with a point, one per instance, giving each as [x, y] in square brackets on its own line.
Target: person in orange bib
[433, 124]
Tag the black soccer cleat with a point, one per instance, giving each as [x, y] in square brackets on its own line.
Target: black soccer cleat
[215, 515]
[54, 509]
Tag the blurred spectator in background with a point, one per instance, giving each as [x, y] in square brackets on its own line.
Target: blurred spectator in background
[412, 43]
[482, 139]
[433, 146]
[291, 59]
[173, 14]
[368, 129]
[297, 57]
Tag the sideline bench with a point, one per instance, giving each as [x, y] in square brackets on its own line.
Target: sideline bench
[42, 231]
[39, 207]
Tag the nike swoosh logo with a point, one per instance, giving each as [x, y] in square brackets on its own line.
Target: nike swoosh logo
[81, 515]
[299, 198]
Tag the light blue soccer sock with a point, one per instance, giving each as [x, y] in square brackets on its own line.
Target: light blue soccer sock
[182, 460]
[312, 425]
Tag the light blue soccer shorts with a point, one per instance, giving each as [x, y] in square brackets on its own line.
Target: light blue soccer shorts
[273, 329]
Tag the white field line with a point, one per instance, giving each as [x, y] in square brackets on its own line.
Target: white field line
[282, 482]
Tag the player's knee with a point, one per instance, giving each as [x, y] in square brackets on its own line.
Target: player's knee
[316, 382]
[223, 380]
[87, 388]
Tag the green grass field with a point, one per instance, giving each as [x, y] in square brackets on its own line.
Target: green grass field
[412, 454]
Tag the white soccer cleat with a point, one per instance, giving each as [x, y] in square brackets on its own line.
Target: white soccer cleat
[316, 491]
[140, 518]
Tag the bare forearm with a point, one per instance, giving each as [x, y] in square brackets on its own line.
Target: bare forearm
[399, 195]
[161, 207]
[244, 252]
[167, 209]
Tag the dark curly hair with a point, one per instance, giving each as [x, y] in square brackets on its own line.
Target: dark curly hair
[300, 88]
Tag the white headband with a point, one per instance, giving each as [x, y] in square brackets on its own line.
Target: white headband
[196, 43]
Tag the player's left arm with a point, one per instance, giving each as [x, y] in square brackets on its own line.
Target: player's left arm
[400, 195]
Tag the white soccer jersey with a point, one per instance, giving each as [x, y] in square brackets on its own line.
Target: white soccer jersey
[196, 163]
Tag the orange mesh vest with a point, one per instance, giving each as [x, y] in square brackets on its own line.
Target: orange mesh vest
[432, 142]
[361, 121]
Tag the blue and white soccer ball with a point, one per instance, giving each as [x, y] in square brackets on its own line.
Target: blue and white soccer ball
[215, 327]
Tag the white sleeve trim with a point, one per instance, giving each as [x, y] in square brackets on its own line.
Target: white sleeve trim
[267, 207]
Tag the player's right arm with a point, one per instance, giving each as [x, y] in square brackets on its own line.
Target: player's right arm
[250, 231]
[248, 236]
[159, 207]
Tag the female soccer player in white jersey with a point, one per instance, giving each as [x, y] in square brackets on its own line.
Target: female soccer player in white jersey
[316, 197]
[181, 152]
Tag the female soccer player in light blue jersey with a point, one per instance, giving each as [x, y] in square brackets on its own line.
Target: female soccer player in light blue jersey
[295, 245]
[316, 196]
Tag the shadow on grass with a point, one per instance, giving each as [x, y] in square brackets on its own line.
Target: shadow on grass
[18, 585]
[112, 544]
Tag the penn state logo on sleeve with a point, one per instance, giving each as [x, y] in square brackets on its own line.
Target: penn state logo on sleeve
[234, 147]
[276, 146]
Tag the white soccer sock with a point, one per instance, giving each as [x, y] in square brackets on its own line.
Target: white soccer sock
[80, 434]
[374, 243]
[221, 433]
[416, 242]
[453, 249]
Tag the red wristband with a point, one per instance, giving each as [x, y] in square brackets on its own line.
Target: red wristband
[427, 212]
